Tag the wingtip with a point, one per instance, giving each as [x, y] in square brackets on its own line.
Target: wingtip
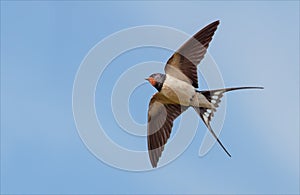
[153, 164]
[216, 22]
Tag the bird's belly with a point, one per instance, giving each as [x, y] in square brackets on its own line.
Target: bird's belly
[178, 91]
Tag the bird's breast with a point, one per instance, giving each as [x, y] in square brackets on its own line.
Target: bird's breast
[178, 91]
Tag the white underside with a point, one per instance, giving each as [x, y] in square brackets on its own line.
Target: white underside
[183, 93]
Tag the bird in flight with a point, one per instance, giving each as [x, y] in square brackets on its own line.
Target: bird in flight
[177, 91]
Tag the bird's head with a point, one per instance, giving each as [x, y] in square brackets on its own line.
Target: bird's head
[157, 80]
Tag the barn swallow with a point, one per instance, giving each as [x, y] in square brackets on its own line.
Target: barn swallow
[177, 91]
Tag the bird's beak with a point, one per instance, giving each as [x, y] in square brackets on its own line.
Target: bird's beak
[147, 79]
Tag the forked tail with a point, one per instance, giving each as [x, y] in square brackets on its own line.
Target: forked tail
[214, 97]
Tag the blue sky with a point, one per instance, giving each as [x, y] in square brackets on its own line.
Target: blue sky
[43, 44]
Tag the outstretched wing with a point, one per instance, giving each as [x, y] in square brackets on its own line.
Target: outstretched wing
[183, 63]
[161, 115]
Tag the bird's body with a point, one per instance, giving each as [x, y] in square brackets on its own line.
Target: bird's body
[183, 93]
[177, 91]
